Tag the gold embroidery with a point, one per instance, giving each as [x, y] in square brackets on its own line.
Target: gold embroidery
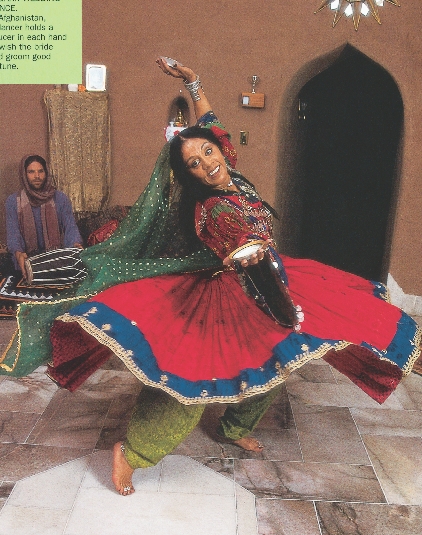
[18, 331]
[282, 373]
[92, 310]
[9, 345]
[415, 353]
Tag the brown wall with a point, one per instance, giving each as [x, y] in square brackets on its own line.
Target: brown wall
[226, 42]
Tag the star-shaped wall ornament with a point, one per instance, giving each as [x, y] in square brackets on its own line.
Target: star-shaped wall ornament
[355, 9]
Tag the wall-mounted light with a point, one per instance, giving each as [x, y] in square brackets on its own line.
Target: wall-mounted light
[253, 99]
[355, 9]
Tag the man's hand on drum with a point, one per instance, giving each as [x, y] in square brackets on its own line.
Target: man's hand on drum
[21, 257]
[251, 260]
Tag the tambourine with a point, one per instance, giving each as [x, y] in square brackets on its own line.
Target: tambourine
[55, 268]
[264, 283]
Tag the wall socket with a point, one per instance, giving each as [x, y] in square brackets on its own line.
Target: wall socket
[244, 137]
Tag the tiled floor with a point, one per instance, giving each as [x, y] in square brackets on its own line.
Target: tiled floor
[335, 462]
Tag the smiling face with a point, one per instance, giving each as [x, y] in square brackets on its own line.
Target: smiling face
[36, 175]
[205, 163]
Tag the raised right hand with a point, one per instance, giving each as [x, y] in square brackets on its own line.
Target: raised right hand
[179, 71]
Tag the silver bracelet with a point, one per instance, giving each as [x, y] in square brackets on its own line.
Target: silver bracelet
[193, 87]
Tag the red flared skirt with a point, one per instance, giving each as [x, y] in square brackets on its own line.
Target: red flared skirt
[201, 338]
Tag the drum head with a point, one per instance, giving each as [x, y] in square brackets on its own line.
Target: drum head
[28, 268]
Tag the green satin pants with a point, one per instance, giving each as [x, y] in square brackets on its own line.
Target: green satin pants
[159, 423]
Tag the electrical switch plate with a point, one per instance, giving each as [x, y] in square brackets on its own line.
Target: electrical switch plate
[244, 136]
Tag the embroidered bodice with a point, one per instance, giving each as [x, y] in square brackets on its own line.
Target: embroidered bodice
[227, 221]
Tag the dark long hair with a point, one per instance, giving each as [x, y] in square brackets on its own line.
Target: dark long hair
[36, 197]
[181, 172]
[35, 158]
[191, 189]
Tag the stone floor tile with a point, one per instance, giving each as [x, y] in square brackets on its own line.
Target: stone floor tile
[329, 435]
[16, 426]
[54, 489]
[278, 416]
[151, 513]
[418, 320]
[179, 473]
[286, 517]
[412, 384]
[388, 422]
[32, 521]
[113, 430]
[281, 445]
[26, 394]
[199, 504]
[7, 329]
[247, 523]
[309, 481]
[338, 395]
[282, 396]
[198, 444]
[75, 421]
[369, 519]
[24, 460]
[6, 488]
[121, 405]
[225, 467]
[114, 363]
[312, 373]
[320, 362]
[104, 381]
[116, 421]
[340, 378]
[397, 461]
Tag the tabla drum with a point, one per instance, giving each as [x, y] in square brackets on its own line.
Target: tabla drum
[58, 267]
[263, 281]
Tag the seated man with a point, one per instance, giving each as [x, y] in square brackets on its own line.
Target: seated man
[38, 217]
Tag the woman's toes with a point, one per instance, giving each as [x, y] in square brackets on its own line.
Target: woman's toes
[122, 472]
[249, 444]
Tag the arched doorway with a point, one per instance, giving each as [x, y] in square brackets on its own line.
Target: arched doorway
[349, 129]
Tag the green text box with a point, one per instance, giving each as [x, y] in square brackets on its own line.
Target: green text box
[40, 41]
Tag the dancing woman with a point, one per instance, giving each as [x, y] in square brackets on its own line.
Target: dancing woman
[165, 295]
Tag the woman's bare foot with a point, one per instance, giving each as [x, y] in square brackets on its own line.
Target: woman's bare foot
[249, 444]
[122, 471]
[246, 443]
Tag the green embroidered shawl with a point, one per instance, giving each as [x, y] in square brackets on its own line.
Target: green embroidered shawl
[147, 243]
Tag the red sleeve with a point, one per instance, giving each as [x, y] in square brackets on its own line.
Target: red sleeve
[222, 226]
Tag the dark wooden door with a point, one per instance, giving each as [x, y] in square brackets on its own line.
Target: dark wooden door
[351, 126]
